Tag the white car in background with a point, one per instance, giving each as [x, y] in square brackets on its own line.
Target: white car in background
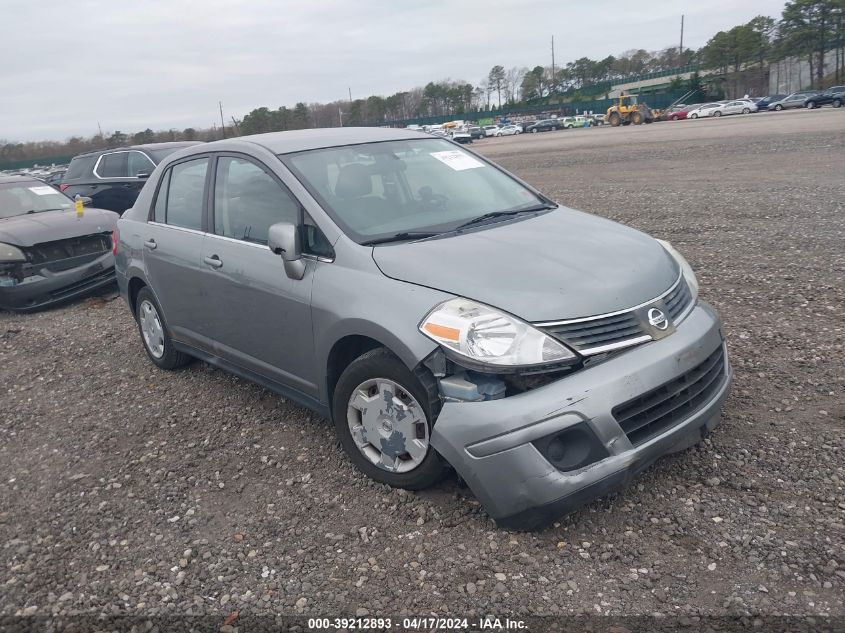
[490, 130]
[509, 130]
[460, 135]
[740, 106]
[703, 111]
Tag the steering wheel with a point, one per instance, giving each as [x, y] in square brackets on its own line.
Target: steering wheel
[430, 200]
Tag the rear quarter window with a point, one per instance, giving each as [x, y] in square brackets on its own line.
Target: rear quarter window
[80, 167]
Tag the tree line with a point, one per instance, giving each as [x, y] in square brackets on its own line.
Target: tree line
[807, 29]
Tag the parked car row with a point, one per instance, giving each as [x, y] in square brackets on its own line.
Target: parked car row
[834, 96]
[476, 132]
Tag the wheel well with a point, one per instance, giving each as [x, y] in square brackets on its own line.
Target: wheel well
[343, 353]
[135, 285]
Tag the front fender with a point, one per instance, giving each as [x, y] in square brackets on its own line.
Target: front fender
[361, 301]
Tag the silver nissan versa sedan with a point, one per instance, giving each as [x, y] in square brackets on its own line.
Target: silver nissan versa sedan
[438, 310]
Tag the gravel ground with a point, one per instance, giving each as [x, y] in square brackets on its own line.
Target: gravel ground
[130, 490]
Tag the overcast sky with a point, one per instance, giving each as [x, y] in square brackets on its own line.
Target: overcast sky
[67, 65]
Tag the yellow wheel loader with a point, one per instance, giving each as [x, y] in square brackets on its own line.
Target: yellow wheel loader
[629, 111]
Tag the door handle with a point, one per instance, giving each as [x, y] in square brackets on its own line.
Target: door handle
[151, 244]
[213, 261]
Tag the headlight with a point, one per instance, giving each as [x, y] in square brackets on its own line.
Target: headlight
[9, 253]
[689, 275]
[487, 336]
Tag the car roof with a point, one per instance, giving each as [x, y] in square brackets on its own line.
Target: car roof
[5, 180]
[320, 138]
[148, 146]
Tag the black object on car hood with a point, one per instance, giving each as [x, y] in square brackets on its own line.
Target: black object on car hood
[49, 226]
[564, 264]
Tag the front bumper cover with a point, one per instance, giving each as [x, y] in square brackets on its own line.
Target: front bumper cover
[51, 288]
[490, 443]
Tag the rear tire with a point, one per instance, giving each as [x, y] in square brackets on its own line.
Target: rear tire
[837, 103]
[746, 110]
[810, 105]
[717, 113]
[377, 441]
[154, 335]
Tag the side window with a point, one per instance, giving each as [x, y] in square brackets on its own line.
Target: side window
[139, 163]
[113, 165]
[247, 201]
[185, 194]
[160, 209]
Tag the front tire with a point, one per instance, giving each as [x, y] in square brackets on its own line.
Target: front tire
[382, 413]
[154, 334]
[778, 108]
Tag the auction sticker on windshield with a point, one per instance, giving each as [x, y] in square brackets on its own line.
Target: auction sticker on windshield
[43, 190]
[457, 160]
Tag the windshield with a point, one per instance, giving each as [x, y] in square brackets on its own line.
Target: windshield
[20, 198]
[419, 185]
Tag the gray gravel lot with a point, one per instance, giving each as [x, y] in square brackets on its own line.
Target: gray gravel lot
[130, 490]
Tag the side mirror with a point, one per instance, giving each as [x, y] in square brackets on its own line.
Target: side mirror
[283, 238]
[86, 201]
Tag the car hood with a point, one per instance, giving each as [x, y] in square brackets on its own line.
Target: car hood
[559, 265]
[36, 228]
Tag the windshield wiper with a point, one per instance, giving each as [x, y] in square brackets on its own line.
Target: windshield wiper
[400, 237]
[41, 211]
[507, 212]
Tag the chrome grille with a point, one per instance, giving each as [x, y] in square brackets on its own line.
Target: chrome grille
[678, 299]
[594, 335]
[585, 335]
[653, 412]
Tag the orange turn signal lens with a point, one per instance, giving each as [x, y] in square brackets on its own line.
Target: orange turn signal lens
[442, 331]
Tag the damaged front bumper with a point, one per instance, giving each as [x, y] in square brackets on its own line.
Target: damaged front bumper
[532, 457]
[39, 287]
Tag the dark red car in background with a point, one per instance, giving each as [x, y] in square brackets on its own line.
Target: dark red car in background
[682, 113]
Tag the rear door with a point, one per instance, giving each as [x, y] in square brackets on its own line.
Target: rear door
[259, 318]
[172, 246]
